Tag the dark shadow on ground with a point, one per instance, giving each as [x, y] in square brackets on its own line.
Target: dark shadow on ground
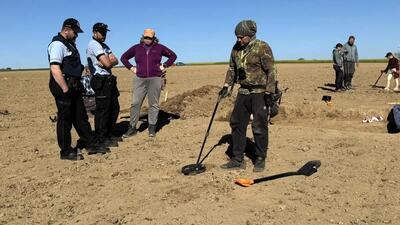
[327, 89]
[164, 119]
[330, 85]
[227, 139]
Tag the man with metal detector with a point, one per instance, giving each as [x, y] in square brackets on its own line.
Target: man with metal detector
[252, 66]
[350, 61]
[65, 74]
[392, 71]
[100, 62]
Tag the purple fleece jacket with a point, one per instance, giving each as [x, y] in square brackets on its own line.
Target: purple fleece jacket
[148, 65]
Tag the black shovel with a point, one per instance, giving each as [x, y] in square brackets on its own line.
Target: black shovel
[308, 169]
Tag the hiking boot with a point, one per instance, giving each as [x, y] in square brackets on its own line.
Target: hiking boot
[109, 142]
[259, 164]
[131, 132]
[152, 130]
[233, 164]
[71, 154]
[97, 147]
[115, 138]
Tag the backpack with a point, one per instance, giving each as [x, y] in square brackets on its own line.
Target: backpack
[393, 120]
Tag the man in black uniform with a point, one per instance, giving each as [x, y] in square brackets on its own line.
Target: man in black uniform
[65, 74]
[100, 62]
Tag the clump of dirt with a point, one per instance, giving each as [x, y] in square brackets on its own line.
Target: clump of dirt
[4, 112]
[198, 103]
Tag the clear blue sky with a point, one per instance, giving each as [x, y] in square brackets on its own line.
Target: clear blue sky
[201, 31]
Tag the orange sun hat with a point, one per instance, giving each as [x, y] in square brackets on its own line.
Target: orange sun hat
[149, 33]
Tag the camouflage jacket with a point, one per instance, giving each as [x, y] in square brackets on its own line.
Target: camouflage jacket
[252, 67]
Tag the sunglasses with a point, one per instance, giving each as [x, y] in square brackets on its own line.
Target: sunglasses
[147, 38]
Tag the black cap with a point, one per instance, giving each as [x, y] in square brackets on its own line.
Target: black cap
[388, 54]
[100, 27]
[73, 24]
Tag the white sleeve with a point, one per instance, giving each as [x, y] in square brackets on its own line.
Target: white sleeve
[95, 48]
[56, 52]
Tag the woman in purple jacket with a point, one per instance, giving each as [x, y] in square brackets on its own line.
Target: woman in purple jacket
[149, 69]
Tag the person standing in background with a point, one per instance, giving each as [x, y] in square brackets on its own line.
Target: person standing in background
[147, 81]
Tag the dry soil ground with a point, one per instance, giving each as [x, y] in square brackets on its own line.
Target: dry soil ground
[140, 182]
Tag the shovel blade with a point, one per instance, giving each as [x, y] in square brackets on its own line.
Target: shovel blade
[309, 168]
[244, 182]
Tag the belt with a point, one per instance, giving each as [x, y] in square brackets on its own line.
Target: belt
[105, 77]
[252, 87]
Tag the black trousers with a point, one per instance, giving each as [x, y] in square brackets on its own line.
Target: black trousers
[70, 112]
[107, 105]
[349, 69]
[339, 77]
[244, 106]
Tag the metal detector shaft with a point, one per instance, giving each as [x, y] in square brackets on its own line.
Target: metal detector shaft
[208, 129]
[377, 80]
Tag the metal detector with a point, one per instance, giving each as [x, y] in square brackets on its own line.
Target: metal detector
[374, 86]
[198, 167]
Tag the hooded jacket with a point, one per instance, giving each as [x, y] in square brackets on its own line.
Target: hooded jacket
[148, 60]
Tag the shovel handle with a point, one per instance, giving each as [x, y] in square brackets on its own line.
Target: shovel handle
[277, 176]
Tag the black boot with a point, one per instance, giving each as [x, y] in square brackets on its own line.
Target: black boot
[109, 142]
[71, 154]
[259, 164]
[233, 164]
[96, 146]
[131, 132]
[152, 130]
[118, 139]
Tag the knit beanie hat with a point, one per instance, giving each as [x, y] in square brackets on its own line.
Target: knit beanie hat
[246, 28]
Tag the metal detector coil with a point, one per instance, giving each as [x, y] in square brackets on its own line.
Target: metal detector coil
[193, 169]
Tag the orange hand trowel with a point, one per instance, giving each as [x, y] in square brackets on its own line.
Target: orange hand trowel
[307, 170]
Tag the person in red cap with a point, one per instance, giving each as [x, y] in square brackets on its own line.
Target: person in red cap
[148, 70]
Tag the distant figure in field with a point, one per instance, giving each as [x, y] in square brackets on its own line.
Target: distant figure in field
[147, 81]
[350, 61]
[338, 67]
[392, 71]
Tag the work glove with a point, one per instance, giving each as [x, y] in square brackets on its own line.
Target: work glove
[223, 93]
